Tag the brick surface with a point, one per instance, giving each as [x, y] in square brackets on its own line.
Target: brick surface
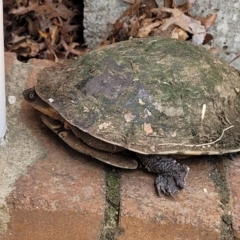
[234, 180]
[58, 199]
[9, 59]
[62, 196]
[195, 214]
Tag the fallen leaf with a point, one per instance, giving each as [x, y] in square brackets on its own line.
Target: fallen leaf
[70, 48]
[146, 29]
[129, 1]
[132, 9]
[45, 23]
[176, 19]
[208, 38]
[198, 30]
[208, 21]
[168, 3]
[179, 33]
[17, 39]
[135, 26]
[54, 34]
[27, 48]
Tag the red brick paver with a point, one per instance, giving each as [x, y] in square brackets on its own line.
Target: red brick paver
[57, 199]
[234, 180]
[62, 195]
[195, 214]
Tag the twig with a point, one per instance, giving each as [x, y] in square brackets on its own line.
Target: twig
[198, 145]
[204, 144]
[238, 55]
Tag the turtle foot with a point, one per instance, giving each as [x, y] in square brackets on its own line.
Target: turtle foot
[172, 175]
[166, 184]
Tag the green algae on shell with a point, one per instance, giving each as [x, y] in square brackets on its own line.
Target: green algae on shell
[151, 95]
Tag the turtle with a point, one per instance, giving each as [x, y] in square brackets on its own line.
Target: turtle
[141, 103]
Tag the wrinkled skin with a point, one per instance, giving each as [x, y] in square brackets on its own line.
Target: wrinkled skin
[171, 175]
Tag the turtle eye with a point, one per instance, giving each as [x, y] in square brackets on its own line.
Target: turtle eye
[31, 96]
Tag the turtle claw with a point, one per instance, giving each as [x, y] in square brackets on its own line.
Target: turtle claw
[165, 183]
[169, 183]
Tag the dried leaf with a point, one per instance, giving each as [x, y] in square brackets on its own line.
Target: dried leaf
[55, 29]
[17, 39]
[198, 30]
[28, 48]
[134, 27]
[129, 1]
[145, 30]
[208, 38]
[208, 21]
[176, 19]
[147, 21]
[54, 34]
[43, 34]
[118, 25]
[70, 48]
[123, 33]
[33, 26]
[146, 6]
[132, 9]
[46, 22]
[23, 10]
[159, 32]
[178, 33]
[168, 3]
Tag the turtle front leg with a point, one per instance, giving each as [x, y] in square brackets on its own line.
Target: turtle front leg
[172, 175]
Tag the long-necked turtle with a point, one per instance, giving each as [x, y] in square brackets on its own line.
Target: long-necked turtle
[154, 97]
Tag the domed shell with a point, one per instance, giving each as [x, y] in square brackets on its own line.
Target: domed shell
[152, 96]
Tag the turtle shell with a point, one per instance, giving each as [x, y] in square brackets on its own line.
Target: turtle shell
[152, 96]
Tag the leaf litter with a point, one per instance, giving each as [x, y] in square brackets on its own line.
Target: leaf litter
[53, 29]
[145, 18]
[50, 29]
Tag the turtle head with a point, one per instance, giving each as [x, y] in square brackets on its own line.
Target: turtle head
[30, 94]
[36, 102]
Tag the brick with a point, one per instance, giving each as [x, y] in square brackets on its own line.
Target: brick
[58, 199]
[9, 59]
[234, 181]
[195, 214]
[35, 65]
[62, 194]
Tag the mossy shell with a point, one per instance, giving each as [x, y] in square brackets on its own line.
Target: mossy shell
[151, 95]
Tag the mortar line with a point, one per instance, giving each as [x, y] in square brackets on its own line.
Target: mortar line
[112, 203]
[219, 177]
